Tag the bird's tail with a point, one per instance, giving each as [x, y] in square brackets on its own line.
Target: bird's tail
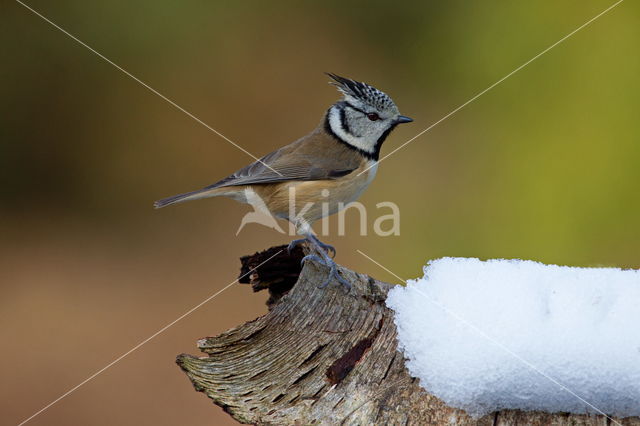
[193, 195]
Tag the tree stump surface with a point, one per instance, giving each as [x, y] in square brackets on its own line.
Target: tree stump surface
[325, 356]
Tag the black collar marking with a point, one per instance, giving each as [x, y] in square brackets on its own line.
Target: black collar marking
[375, 155]
[343, 122]
[347, 104]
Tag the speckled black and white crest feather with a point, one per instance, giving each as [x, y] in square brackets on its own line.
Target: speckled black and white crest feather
[362, 91]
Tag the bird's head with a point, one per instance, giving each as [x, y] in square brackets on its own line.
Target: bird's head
[364, 117]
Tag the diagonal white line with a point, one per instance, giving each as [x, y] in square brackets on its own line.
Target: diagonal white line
[147, 86]
[492, 340]
[136, 347]
[494, 84]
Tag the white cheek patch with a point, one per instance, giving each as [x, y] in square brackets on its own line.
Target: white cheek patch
[336, 127]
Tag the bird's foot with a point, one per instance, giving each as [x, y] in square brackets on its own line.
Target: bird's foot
[313, 257]
[331, 250]
[295, 243]
[333, 271]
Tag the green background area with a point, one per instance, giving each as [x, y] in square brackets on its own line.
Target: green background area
[544, 166]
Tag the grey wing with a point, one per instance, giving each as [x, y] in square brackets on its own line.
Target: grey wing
[279, 167]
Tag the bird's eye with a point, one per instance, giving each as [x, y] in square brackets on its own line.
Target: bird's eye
[373, 116]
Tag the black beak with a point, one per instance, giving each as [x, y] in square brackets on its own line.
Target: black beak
[403, 119]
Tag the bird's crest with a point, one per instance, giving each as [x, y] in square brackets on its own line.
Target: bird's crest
[362, 91]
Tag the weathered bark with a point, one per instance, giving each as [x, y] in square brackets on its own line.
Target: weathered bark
[326, 356]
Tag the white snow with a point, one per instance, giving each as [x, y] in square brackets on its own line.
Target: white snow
[499, 334]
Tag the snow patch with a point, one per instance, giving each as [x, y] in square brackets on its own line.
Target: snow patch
[514, 334]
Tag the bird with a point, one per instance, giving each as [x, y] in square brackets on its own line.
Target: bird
[260, 215]
[330, 166]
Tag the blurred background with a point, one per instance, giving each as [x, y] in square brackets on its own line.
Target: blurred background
[543, 167]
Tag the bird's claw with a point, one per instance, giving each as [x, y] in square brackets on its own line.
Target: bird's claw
[295, 243]
[333, 271]
[335, 275]
[313, 257]
[331, 250]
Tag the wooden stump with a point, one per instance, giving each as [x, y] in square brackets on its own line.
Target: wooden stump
[325, 356]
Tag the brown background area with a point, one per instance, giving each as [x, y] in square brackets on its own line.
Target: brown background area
[544, 167]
